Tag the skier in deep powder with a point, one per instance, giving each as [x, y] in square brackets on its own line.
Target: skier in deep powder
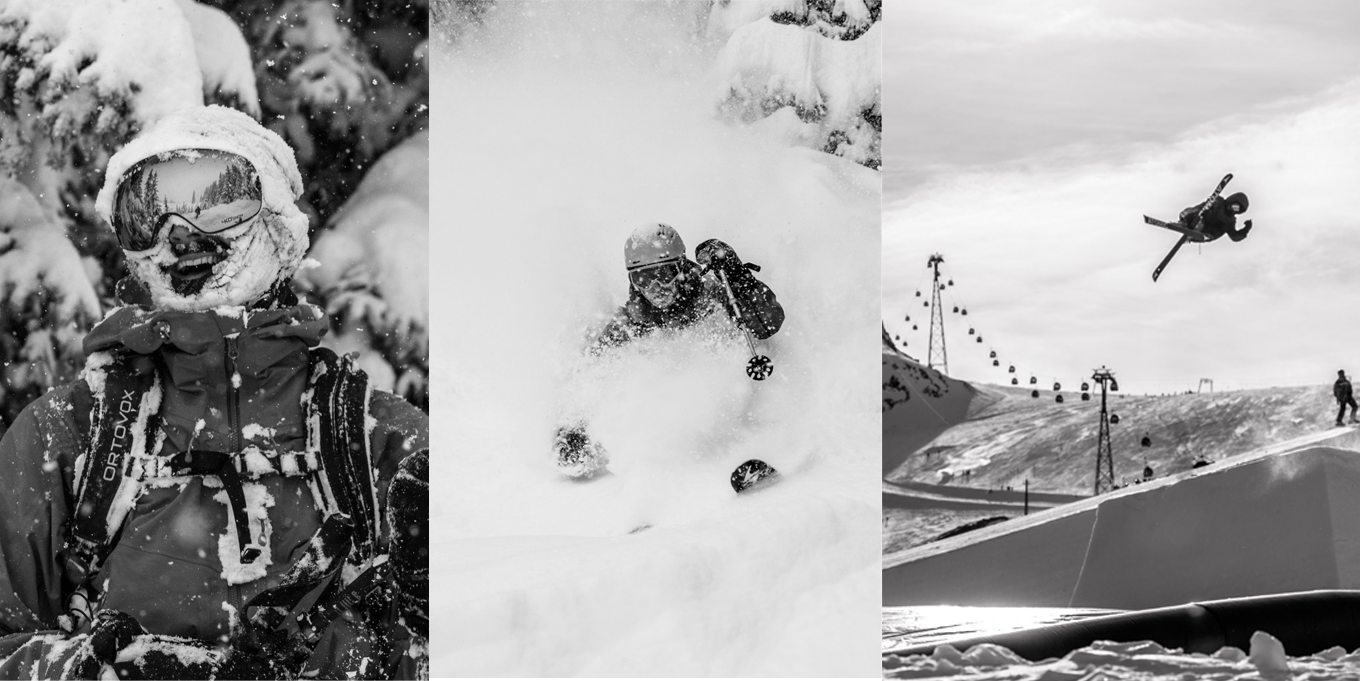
[669, 291]
[213, 466]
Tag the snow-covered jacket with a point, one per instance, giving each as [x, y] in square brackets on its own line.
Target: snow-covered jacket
[227, 378]
[698, 295]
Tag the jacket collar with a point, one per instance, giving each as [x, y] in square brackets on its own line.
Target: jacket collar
[142, 330]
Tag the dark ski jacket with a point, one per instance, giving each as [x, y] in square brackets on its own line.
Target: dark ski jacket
[699, 294]
[1342, 390]
[1218, 219]
[165, 569]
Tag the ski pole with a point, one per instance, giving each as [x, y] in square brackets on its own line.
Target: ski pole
[759, 367]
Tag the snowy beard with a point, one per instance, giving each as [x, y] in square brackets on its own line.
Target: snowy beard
[662, 296]
[264, 253]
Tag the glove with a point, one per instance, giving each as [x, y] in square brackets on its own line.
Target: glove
[577, 455]
[714, 253]
[1246, 226]
[408, 514]
[117, 640]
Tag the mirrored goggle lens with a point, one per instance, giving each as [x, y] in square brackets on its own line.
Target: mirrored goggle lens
[658, 274]
[212, 190]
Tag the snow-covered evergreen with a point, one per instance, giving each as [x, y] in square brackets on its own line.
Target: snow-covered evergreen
[810, 68]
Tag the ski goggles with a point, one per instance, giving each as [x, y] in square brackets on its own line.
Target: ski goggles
[660, 273]
[211, 190]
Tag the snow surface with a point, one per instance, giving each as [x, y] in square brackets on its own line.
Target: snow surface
[1127, 662]
[577, 123]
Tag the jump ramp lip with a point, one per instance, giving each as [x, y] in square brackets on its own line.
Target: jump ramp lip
[1341, 438]
[1305, 622]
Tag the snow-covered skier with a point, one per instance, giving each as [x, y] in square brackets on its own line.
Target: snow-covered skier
[213, 466]
[667, 290]
[1219, 218]
[1341, 390]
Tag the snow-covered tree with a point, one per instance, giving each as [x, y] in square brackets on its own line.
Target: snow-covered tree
[342, 81]
[811, 67]
[78, 78]
[377, 299]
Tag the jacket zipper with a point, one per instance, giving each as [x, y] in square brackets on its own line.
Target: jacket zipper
[234, 427]
[233, 408]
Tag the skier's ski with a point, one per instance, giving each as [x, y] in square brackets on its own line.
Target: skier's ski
[1161, 266]
[751, 473]
[1199, 217]
[1177, 227]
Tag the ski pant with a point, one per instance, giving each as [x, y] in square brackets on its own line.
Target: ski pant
[1340, 415]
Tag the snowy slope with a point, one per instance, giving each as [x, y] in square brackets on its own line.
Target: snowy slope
[1010, 436]
[657, 568]
[919, 404]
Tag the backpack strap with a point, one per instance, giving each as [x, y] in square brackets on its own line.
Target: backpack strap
[338, 424]
[118, 413]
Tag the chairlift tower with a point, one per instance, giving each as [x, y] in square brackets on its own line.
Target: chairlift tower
[937, 357]
[1104, 455]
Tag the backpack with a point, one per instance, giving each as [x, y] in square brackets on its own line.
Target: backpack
[117, 423]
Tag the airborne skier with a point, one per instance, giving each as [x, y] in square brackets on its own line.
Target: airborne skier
[666, 290]
[213, 466]
[1206, 221]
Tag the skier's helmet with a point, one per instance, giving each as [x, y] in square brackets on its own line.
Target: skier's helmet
[652, 244]
[1240, 200]
[653, 257]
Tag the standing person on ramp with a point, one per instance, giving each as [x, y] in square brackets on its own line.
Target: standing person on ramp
[1341, 390]
[666, 290]
[216, 496]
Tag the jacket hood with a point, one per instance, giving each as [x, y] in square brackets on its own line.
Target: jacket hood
[1239, 198]
[268, 253]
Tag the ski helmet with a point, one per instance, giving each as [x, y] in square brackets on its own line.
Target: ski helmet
[1240, 199]
[651, 244]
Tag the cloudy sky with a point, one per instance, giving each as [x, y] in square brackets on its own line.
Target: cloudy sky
[1025, 140]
